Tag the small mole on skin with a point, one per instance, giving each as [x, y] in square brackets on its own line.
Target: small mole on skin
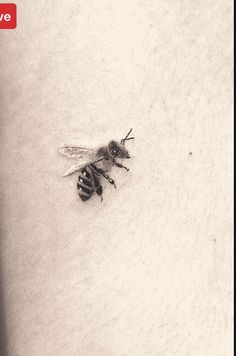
[190, 153]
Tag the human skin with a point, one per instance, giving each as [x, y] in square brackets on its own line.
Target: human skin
[148, 270]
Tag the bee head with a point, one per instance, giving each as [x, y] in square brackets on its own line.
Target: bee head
[117, 150]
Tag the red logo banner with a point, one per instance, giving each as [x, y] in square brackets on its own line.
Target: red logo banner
[7, 16]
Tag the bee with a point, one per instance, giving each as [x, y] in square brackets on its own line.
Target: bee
[94, 164]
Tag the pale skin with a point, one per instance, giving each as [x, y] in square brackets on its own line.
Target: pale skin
[148, 272]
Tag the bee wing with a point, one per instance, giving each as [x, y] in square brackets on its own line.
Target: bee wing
[74, 168]
[76, 152]
[83, 155]
[82, 163]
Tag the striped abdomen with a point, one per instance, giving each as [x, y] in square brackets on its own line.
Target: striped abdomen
[89, 182]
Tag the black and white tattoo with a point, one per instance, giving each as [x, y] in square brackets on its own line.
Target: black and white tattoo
[94, 164]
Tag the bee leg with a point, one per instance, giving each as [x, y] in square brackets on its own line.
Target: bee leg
[121, 166]
[99, 192]
[111, 181]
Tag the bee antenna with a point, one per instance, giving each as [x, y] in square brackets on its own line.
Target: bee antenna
[127, 137]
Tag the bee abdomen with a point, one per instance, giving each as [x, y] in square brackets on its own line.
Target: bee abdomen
[87, 183]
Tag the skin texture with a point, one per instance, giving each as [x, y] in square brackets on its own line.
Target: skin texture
[147, 272]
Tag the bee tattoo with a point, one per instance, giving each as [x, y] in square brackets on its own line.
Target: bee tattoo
[94, 164]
